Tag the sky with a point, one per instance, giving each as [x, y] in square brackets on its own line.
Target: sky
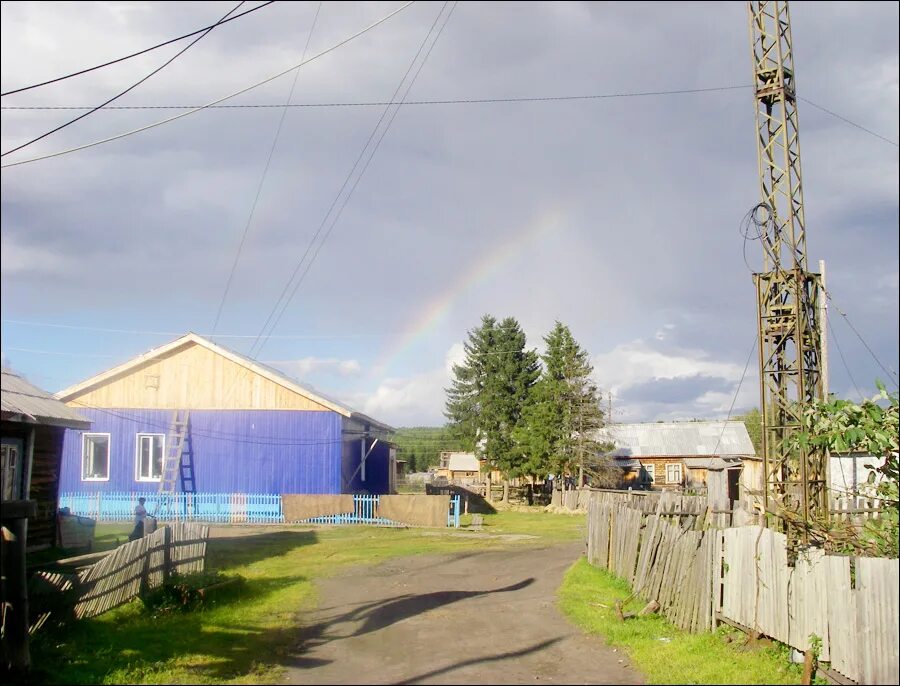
[619, 216]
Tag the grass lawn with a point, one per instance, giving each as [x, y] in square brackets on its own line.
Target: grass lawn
[664, 653]
[241, 637]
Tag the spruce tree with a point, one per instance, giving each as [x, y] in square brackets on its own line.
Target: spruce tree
[511, 372]
[559, 426]
[465, 395]
[489, 391]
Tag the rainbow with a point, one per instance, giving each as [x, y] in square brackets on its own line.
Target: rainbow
[490, 263]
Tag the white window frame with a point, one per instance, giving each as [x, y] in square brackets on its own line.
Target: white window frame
[137, 457]
[84, 439]
[651, 471]
[674, 467]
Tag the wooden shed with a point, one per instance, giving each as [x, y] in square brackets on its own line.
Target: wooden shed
[33, 424]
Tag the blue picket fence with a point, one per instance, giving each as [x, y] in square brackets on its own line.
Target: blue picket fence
[365, 507]
[250, 508]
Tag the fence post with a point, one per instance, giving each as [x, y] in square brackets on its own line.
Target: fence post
[167, 552]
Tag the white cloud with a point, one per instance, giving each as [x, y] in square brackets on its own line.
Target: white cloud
[20, 259]
[307, 366]
[635, 362]
[413, 400]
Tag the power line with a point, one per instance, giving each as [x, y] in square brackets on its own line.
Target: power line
[181, 333]
[214, 102]
[265, 172]
[871, 352]
[286, 301]
[734, 399]
[127, 90]
[454, 101]
[134, 54]
[381, 103]
[848, 121]
[844, 361]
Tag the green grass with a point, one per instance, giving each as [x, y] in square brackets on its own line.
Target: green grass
[243, 636]
[546, 526]
[661, 651]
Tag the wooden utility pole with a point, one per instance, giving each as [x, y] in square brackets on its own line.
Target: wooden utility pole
[823, 331]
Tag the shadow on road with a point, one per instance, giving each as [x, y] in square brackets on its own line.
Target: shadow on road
[380, 614]
[483, 660]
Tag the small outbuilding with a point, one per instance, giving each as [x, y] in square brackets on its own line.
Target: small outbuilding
[33, 424]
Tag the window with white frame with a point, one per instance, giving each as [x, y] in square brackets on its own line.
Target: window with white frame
[95, 457]
[673, 473]
[651, 472]
[149, 457]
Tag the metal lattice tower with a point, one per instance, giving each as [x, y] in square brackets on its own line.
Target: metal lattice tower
[787, 294]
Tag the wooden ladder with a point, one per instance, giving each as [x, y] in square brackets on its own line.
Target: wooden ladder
[175, 439]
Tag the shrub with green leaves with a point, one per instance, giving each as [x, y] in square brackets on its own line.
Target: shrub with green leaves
[181, 593]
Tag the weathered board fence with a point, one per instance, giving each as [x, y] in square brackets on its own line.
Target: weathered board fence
[133, 568]
[700, 569]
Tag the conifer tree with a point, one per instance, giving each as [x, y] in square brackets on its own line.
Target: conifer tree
[558, 431]
[489, 391]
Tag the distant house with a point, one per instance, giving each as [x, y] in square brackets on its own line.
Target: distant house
[459, 467]
[32, 429]
[853, 475]
[250, 429]
[714, 455]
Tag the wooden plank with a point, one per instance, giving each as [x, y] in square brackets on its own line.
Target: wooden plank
[877, 629]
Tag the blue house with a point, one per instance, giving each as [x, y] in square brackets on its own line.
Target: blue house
[230, 424]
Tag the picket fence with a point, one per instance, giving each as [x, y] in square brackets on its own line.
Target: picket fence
[231, 508]
[234, 508]
[701, 570]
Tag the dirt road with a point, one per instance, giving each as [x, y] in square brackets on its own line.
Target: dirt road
[472, 617]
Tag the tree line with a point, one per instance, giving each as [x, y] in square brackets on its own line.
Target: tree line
[528, 415]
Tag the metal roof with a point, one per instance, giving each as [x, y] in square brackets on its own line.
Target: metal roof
[678, 439]
[463, 462]
[21, 401]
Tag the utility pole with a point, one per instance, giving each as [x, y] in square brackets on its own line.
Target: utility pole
[789, 325]
[823, 323]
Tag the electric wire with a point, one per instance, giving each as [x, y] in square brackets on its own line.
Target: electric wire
[868, 348]
[848, 121]
[734, 399]
[284, 298]
[128, 57]
[147, 127]
[127, 90]
[262, 180]
[381, 103]
[844, 361]
[456, 101]
[142, 332]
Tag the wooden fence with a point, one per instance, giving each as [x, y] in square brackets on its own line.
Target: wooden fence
[701, 570]
[178, 548]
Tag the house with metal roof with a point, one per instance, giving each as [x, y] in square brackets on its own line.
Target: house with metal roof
[192, 416]
[32, 429]
[710, 455]
[459, 466]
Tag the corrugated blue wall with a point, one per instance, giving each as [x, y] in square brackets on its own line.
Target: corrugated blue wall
[377, 465]
[234, 451]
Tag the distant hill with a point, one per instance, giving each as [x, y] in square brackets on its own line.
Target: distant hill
[421, 446]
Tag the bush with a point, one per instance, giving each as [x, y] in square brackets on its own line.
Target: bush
[183, 593]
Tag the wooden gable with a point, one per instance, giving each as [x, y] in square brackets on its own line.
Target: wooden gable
[194, 377]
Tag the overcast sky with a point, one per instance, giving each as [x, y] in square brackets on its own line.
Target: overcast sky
[619, 217]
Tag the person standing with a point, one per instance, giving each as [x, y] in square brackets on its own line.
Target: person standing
[140, 516]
